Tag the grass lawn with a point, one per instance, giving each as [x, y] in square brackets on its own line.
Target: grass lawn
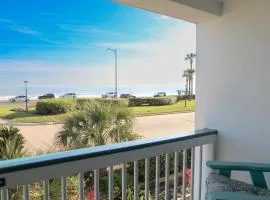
[31, 116]
[156, 110]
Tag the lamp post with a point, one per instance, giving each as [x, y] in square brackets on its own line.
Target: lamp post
[26, 95]
[115, 64]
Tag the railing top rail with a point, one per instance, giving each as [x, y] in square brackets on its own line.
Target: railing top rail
[8, 166]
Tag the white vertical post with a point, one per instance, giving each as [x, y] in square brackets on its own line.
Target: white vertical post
[200, 173]
[96, 184]
[110, 183]
[124, 186]
[64, 188]
[81, 186]
[157, 190]
[146, 190]
[167, 177]
[46, 190]
[136, 181]
[184, 169]
[26, 195]
[175, 186]
[4, 194]
[192, 173]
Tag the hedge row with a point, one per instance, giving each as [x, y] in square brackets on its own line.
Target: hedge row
[80, 102]
[183, 97]
[54, 106]
[153, 101]
[57, 106]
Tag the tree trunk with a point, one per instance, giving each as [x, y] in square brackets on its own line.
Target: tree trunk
[191, 78]
[189, 85]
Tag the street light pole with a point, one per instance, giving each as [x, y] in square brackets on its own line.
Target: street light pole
[116, 72]
[26, 95]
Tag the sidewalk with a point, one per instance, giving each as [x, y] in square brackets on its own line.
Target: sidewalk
[40, 137]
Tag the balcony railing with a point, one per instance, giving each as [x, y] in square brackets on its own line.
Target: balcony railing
[24, 172]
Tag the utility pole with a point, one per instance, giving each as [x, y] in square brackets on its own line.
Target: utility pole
[26, 95]
[115, 72]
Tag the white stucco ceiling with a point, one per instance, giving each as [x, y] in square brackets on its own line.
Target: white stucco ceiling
[191, 10]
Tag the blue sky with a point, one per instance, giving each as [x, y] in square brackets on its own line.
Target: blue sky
[61, 44]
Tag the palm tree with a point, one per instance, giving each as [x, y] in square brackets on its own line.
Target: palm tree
[186, 76]
[190, 57]
[97, 124]
[11, 143]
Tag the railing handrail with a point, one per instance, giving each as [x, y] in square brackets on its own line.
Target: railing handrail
[9, 166]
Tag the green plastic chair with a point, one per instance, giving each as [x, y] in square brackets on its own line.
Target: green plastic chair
[256, 171]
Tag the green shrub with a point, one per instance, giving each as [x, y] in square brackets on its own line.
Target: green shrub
[81, 102]
[153, 101]
[54, 106]
[11, 143]
[183, 97]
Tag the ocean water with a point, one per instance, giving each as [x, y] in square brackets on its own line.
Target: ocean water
[34, 92]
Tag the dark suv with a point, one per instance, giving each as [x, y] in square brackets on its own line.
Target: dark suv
[127, 96]
[46, 96]
[160, 94]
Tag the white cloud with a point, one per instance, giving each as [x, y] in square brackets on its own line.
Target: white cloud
[19, 28]
[85, 29]
[157, 64]
[24, 29]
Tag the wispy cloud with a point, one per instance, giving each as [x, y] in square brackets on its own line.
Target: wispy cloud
[24, 30]
[14, 26]
[164, 57]
[136, 46]
[3, 20]
[84, 29]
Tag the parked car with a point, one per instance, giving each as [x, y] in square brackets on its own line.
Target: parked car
[20, 98]
[46, 96]
[109, 95]
[160, 94]
[68, 95]
[127, 96]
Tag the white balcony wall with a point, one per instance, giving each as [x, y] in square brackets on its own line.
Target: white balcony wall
[233, 80]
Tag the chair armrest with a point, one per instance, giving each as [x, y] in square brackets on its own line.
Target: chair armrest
[238, 166]
[233, 196]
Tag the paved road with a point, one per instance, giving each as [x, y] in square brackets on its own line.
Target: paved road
[41, 137]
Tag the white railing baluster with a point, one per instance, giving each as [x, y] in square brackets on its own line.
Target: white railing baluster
[26, 195]
[175, 186]
[96, 184]
[4, 194]
[64, 188]
[136, 181]
[43, 168]
[157, 190]
[192, 173]
[81, 186]
[110, 179]
[167, 177]
[146, 190]
[124, 182]
[184, 170]
[45, 190]
[200, 173]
